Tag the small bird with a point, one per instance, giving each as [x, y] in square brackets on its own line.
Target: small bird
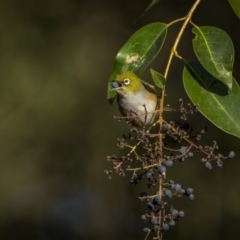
[134, 97]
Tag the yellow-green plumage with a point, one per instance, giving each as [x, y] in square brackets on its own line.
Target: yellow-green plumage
[135, 98]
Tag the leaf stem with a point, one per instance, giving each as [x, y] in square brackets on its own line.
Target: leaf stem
[174, 48]
[173, 51]
[176, 21]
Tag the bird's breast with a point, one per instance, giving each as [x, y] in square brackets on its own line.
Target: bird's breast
[142, 104]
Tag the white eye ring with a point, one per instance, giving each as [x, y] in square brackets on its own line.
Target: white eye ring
[126, 81]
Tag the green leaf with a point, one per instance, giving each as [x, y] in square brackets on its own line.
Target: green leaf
[150, 6]
[235, 6]
[215, 51]
[158, 79]
[212, 98]
[138, 52]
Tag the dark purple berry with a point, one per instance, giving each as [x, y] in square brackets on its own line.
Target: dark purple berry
[146, 230]
[189, 191]
[165, 227]
[154, 221]
[174, 213]
[182, 159]
[164, 127]
[139, 176]
[172, 186]
[172, 223]
[168, 193]
[191, 197]
[181, 191]
[150, 206]
[208, 165]
[181, 214]
[185, 126]
[157, 200]
[169, 163]
[142, 194]
[220, 164]
[178, 186]
[115, 84]
[190, 154]
[162, 169]
[143, 217]
[151, 171]
[133, 181]
[149, 175]
[231, 154]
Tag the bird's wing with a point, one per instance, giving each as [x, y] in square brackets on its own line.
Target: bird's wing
[151, 88]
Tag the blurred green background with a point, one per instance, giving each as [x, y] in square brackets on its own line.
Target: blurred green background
[56, 126]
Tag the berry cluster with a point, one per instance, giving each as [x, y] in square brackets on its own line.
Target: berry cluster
[170, 221]
[149, 159]
[158, 218]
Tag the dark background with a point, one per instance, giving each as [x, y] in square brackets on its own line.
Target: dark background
[56, 126]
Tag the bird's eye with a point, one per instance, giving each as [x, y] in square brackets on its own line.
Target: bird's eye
[126, 81]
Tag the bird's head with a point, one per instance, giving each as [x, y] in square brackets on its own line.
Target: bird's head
[127, 83]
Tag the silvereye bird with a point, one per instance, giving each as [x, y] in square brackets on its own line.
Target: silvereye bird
[135, 98]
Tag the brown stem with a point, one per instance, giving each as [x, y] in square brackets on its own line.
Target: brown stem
[161, 107]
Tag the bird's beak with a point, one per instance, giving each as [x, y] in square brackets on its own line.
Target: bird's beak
[116, 85]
